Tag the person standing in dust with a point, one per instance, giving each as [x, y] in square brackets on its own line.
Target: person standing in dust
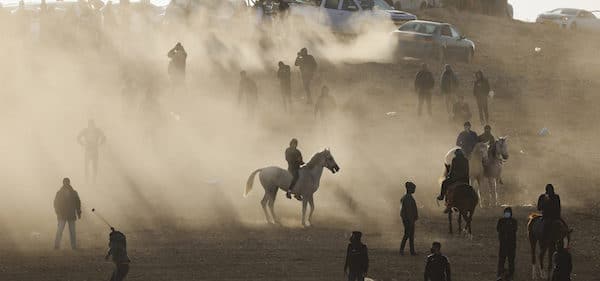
[177, 66]
[249, 90]
[285, 82]
[67, 207]
[91, 138]
[308, 67]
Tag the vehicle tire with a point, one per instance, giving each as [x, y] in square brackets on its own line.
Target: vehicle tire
[469, 55]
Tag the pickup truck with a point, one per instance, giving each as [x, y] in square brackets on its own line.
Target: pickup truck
[348, 16]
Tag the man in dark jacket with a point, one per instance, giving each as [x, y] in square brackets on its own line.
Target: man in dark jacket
[308, 67]
[549, 205]
[423, 85]
[448, 85]
[67, 207]
[294, 158]
[487, 135]
[467, 140]
[507, 235]
[284, 75]
[357, 258]
[562, 264]
[409, 215]
[177, 65]
[481, 91]
[117, 249]
[248, 89]
[459, 172]
[437, 266]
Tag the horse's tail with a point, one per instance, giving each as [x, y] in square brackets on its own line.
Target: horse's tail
[250, 182]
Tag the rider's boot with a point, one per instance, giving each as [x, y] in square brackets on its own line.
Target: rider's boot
[288, 194]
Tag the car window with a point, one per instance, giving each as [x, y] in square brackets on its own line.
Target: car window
[332, 4]
[446, 31]
[586, 15]
[349, 5]
[426, 28]
[455, 32]
[410, 26]
[382, 5]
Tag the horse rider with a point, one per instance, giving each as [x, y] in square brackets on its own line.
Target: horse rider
[294, 158]
[437, 266]
[467, 140]
[487, 135]
[549, 205]
[459, 172]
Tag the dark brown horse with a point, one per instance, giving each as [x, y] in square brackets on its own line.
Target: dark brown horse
[547, 239]
[462, 198]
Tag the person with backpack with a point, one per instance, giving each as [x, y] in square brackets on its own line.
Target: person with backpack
[357, 258]
[118, 251]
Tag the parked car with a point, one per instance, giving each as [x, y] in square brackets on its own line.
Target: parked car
[347, 16]
[571, 19]
[433, 39]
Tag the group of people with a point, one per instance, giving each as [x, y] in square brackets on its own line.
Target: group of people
[455, 104]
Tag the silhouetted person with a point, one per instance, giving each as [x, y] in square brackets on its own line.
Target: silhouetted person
[177, 65]
[91, 138]
[487, 135]
[562, 264]
[284, 75]
[461, 110]
[448, 86]
[325, 105]
[308, 67]
[481, 91]
[357, 258]
[549, 205]
[249, 90]
[409, 215]
[459, 172]
[117, 249]
[67, 207]
[424, 83]
[437, 266]
[507, 236]
[294, 158]
[467, 140]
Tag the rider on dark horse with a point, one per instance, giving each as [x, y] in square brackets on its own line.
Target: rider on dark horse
[294, 159]
[549, 205]
[459, 172]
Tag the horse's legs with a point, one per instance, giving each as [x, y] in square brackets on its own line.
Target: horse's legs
[490, 196]
[263, 203]
[450, 222]
[543, 249]
[460, 229]
[304, 202]
[273, 196]
[478, 179]
[495, 191]
[311, 202]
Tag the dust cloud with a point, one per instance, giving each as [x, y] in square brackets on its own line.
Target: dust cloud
[186, 166]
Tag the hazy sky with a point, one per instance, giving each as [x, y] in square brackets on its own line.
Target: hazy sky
[529, 9]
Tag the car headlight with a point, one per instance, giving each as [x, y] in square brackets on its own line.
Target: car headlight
[565, 18]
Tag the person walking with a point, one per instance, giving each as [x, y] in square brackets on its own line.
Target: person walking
[248, 89]
[325, 105]
[437, 266]
[507, 236]
[91, 138]
[409, 215]
[308, 67]
[424, 83]
[481, 91]
[357, 258]
[117, 249]
[448, 86]
[284, 76]
[177, 66]
[67, 207]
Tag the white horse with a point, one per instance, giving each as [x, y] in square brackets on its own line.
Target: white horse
[497, 155]
[273, 178]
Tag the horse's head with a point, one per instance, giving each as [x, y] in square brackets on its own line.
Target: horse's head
[329, 162]
[481, 148]
[502, 147]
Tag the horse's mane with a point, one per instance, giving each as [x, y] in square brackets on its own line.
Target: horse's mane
[313, 161]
